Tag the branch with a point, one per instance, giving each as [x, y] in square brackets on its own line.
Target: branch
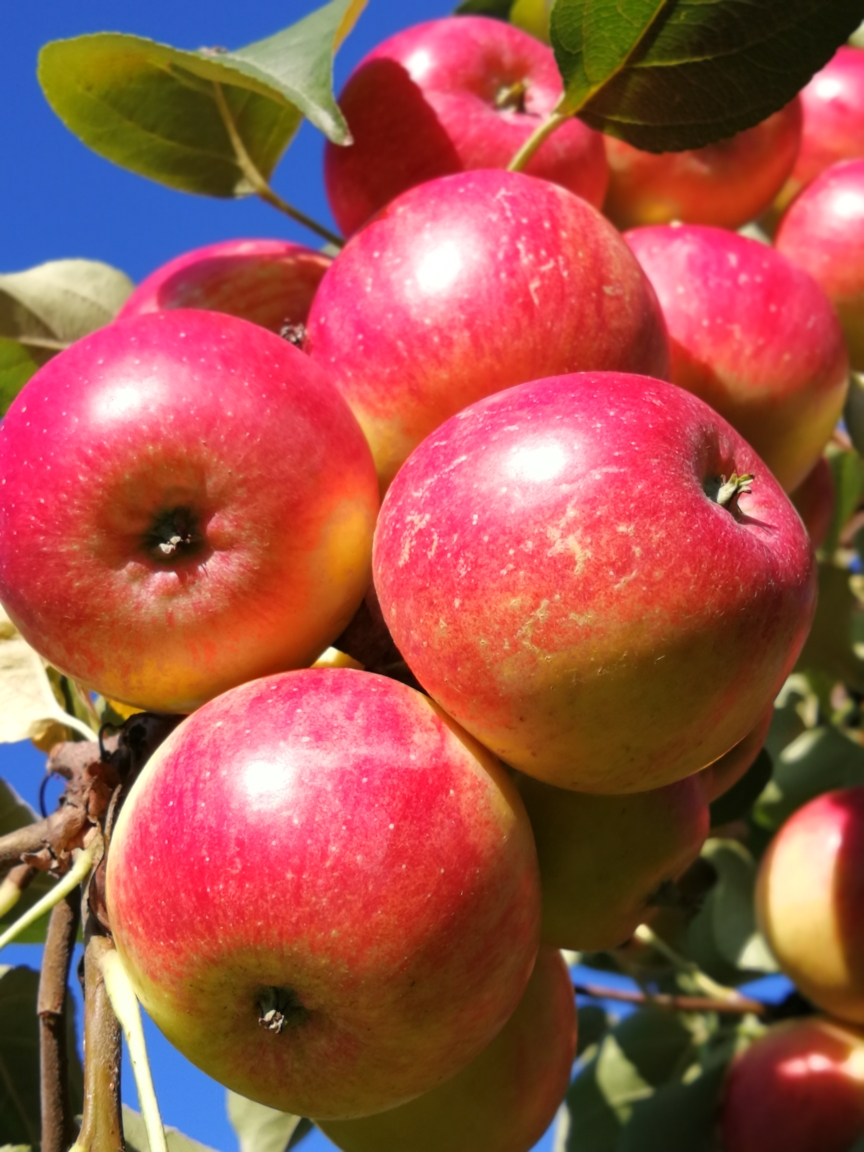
[102, 1122]
[742, 1006]
[79, 871]
[24, 841]
[58, 1123]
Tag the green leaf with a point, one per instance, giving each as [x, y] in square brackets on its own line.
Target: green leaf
[135, 1133]
[499, 9]
[817, 761]
[853, 411]
[847, 469]
[737, 802]
[730, 910]
[679, 1117]
[262, 1129]
[156, 109]
[15, 813]
[17, 365]
[667, 75]
[835, 645]
[19, 1057]
[593, 1025]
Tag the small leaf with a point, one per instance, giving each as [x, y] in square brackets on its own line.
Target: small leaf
[668, 75]
[730, 909]
[736, 803]
[258, 1128]
[155, 109]
[817, 761]
[135, 1133]
[679, 1117]
[499, 9]
[847, 470]
[835, 644]
[17, 365]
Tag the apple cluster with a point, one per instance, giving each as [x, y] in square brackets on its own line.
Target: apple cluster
[471, 556]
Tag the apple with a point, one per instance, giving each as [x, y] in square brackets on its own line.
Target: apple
[504, 1100]
[726, 184]
[533, 16]
[808, 901]
[567, 572]
[822, 231]
[325, 853]
[446, 96]
[468, 285]
[605, 860]
[187, 503]
[814, 499]
[753, 336]
[799, 1087]
[832, 128]
[270, 282]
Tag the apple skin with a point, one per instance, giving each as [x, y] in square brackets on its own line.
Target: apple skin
[221, 419]
[815, 498]
[753, 336]
[505, 1099]
[468, 285]
[833, 121]
[800, 1087]
[422, 105]
[269, 282]
[822, 231]
[556, 577]
[725, 184]
[808, 901]
[333, 834]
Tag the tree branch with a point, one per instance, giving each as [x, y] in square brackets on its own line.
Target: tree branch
[58, 1123]
[742, 1006]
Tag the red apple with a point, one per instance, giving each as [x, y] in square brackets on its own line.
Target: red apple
[754, 336]
[449, 95]
[822, 232]
[800, 1087]
[505, 1099]
[833, 120]
[568, 575]
[270, 282]
[815, 498]
[328, 847]
[726, 184]
[186, 503]
[468, 285]
[809, 898]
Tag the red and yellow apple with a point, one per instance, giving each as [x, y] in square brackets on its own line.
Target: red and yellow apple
[187, 502]
[325, 894]
[575, 570]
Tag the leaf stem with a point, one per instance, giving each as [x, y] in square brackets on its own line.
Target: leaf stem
[258, 183]
[545, 129]
[78, 872]
[125, 1005]
[12, 885]
[710, 987]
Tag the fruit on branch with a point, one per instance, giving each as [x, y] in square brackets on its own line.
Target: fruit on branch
[815, 498]
[446, 96]
[469, 285]
[753, 335]
[187, 503]
[800, 1087]
[581, 573]
[808, 901]
[822, 232]
[832, 128]
[505, 1099]
[325, 893]
[726, 184]
[270, 282]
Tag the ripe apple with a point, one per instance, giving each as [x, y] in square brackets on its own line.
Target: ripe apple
[814, 499]
[822, 232]
[605, 860]
[446, 96]
[753, 336]
[505, 1099]
[187, 502]
[809, 901]
[832, 106]
[566, 572]
[470, 284]
[270, 282]
[326, 854]
[726, 184]
[800, 1087]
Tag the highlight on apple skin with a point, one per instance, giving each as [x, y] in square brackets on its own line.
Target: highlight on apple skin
[560, 570]
[204, 514]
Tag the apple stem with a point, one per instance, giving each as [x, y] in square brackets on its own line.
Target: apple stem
[735, 486]
[258, 182]
[545, 129]
[79, 871]
[511, 98]
[125, 1005]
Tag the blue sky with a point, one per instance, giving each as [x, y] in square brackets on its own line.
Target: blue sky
[60, 200]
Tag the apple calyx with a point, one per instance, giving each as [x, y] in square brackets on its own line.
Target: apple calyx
[511, 97]
[278, 1007]
[293, 333]
[726, 492]
[174, 533]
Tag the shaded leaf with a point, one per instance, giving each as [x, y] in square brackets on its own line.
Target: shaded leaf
[15, 813]
[853, 411]
[819, 760]
[847, 470]
[17, 365]
[679, 1117]
[19, 1057]
[500, 9]
[593, 1023]
[136, 1135]
[667, 75]
[737, 802]
[156, 110]
[729, 908]
[258, 1128]
[835, 645]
